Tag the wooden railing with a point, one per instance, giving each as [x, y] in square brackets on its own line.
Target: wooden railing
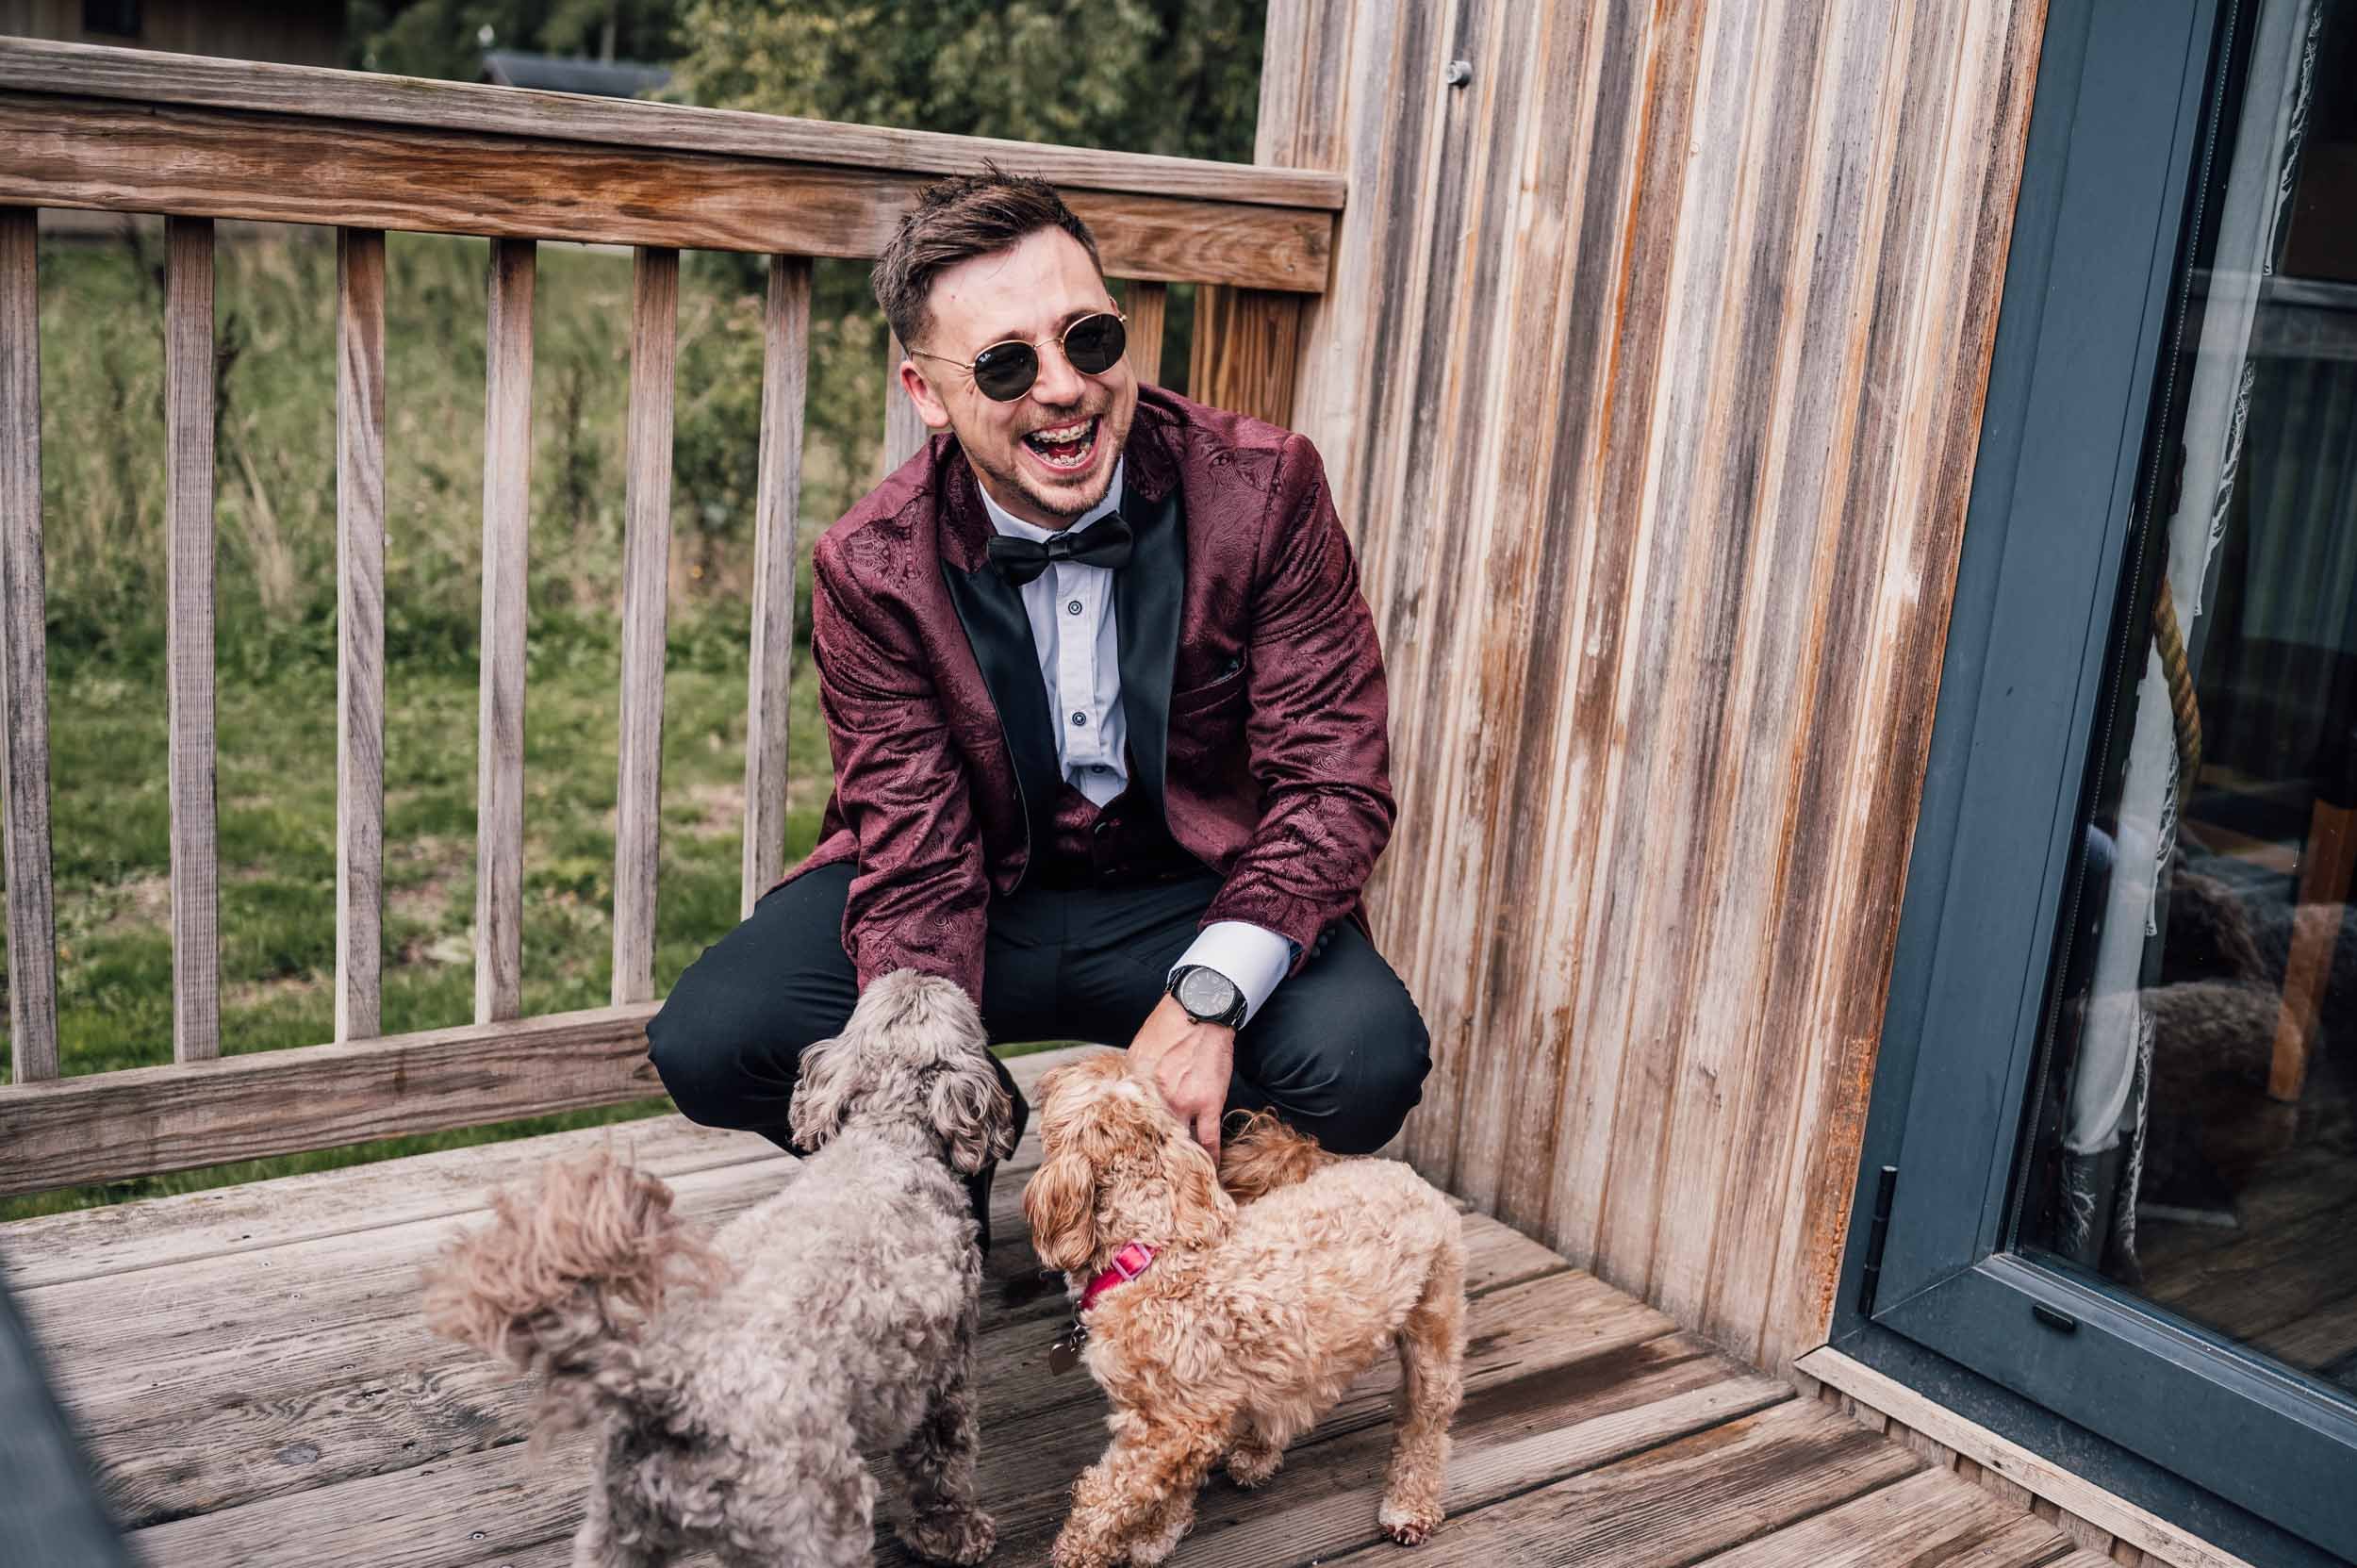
[200, 140]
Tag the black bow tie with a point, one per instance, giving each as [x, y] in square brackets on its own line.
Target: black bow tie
[1103, 543]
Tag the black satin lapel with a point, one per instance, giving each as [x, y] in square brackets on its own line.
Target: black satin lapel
[1000, 635]
[1147, 598]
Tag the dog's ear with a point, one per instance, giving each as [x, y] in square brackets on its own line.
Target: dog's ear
[825, 1080]
[1200, 1211]
[972, 1114]
[1059, 1202]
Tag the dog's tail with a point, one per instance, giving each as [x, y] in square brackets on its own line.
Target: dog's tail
[564, 1279]
[1264, 1155]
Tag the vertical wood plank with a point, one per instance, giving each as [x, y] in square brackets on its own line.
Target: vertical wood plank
[903, 432]
[1149, 307]
[1247, 344]
[498, 896]
[359, 631]
[188, 645]
[777, 527]
[646, 585]
[25, 660]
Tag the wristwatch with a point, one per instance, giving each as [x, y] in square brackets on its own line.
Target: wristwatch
[1209, 997]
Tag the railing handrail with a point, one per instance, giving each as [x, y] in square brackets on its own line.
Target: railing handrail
[119, 130]
[151, 77]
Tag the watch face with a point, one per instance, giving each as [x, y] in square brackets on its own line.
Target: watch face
[1206, 993]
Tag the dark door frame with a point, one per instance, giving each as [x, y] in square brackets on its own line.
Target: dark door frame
[2155, 1410]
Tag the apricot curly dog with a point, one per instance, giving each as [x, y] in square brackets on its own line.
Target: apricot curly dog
[1218, 1330]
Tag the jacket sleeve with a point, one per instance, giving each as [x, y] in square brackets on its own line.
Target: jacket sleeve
[1317, 722]
[918, 894]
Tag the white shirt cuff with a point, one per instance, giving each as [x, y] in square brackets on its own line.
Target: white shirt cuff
[1254, 957]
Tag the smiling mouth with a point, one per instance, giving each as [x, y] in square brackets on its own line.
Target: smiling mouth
[1066, 447]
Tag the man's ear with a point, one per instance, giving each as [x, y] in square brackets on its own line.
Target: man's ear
[1059, 1202]
[929, 404]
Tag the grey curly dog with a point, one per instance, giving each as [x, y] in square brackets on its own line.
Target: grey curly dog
[739, 1376]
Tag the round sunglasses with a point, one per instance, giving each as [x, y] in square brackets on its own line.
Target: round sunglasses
[1004, 372]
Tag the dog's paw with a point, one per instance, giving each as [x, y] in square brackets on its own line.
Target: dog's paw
[1070, 1552]
[964, 1538]
[1250, 1465]
[1409, 1527]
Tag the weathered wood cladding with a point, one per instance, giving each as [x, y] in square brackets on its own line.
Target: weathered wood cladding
[1650, 379]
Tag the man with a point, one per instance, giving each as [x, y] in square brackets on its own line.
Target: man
[1108, 721]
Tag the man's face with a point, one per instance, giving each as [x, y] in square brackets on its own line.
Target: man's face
[1048, 455]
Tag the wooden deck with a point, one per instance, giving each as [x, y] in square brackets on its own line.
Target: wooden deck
[249, 1365]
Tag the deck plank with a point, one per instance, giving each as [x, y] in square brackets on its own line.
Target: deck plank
[247, 1500]
[189, 1420]
[86, 1243]
[2029, 1541]
[1531, 1348]
[1704, 1493]
[1928, 1520]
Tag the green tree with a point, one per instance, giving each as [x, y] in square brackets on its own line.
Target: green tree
[446, 38]
[1178, 77]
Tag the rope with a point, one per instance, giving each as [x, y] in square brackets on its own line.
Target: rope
[2170, 642]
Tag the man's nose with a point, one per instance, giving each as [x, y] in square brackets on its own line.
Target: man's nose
[1059, 385]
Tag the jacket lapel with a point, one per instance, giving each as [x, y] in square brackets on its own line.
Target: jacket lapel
[990, 611]
[1148, 594]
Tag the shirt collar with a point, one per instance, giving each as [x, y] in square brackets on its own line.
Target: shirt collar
[1014, 527]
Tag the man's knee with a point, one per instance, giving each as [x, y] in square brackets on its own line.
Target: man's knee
[696, 1071]
[726, 1056]
[1357, 1104]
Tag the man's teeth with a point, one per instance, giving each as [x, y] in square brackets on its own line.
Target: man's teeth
[1067, 446]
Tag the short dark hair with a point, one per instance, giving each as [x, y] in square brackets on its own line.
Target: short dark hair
[956, 219]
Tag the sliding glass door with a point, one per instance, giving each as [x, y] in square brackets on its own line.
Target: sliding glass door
[2119, 1076]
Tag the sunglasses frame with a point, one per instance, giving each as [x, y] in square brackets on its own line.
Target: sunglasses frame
[1033, 345]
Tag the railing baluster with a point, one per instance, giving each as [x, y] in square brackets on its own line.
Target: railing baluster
[1247, 345]
[903, 431]
[498, 896]
[646, 569]
[359, 631]
[25, 659]
[776, 532]
[189, 648]
[1149, 305]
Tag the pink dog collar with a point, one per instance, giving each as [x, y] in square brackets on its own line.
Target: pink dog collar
[1128, 1263]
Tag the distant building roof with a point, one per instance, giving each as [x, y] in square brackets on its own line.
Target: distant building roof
[556, 73]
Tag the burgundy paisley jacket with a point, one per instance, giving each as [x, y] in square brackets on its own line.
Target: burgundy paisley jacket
[1249, 673]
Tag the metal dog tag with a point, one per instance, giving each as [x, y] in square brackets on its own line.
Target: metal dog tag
[1066, 1353]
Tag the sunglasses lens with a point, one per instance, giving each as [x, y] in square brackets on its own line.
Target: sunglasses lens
[1005, 371]
[1094, 343]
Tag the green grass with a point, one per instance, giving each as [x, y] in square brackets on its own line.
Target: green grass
[277, 821]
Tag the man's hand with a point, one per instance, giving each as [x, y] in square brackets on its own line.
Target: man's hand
[1189, 1064]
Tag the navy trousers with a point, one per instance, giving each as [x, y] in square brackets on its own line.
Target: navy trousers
[1339, 1052]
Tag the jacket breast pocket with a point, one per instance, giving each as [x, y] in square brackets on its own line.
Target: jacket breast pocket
[1225, 686]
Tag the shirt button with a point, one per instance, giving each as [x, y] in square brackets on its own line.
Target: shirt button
[1073, 608]
[1079, 720]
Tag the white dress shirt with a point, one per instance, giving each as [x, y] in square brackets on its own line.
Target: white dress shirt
[1070, 608]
